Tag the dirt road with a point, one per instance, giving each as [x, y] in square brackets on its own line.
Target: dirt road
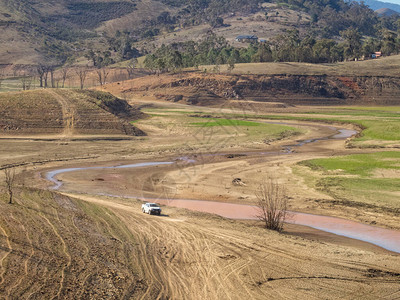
[68, 112]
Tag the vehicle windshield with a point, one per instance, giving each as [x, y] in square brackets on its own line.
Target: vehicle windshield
[153, 205]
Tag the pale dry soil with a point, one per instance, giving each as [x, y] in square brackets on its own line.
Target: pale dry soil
[182, 254]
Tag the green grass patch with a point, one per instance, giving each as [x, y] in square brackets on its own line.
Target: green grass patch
[386, 130]
[369, 178]
[357, 164]
[372, 191]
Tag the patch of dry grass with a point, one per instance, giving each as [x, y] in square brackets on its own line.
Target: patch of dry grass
[385, 66]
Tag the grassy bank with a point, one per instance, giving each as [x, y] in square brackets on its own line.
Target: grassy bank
[364, 178]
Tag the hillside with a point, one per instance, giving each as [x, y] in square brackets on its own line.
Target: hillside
[54, 32]
[387, 12]
[65, 113]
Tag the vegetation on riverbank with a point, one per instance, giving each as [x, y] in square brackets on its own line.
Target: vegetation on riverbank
[371, 179]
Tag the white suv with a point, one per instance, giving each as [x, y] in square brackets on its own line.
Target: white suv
[151, 208]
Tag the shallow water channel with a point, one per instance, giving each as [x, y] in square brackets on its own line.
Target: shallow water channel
[385, 238]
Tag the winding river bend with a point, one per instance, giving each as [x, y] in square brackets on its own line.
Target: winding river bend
[385, 238]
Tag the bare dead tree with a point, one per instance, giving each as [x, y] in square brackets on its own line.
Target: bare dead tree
[99, 76]
[272, 204]
[102, 75]
[45, 75]
[105, 72]
[10, 182]
[82, 74]
[64, 74]
[51, 70]
[40, 70]
[130, 68]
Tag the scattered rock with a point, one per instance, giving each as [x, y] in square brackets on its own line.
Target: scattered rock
[238, 182]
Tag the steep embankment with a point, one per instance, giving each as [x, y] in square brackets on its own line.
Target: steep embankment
[65, 112]
[206, 89]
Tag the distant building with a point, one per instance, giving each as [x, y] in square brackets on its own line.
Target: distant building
[376, 55]
[247, 38]
[262, 40]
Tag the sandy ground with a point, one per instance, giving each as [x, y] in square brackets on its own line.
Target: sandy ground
[188, 255]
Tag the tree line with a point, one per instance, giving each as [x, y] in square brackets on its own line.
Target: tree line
[287, 47]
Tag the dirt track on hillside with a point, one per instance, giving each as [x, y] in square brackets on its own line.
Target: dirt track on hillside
[68, 111]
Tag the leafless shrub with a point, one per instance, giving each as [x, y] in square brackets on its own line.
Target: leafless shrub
[10, 182]
[272, 204]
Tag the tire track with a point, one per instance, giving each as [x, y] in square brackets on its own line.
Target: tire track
[64, 251]
[192, 266]
[86, 255]
[68, 112]
[5, 256]
[26, 262]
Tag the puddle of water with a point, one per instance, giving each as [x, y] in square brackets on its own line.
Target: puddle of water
[344, 134]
